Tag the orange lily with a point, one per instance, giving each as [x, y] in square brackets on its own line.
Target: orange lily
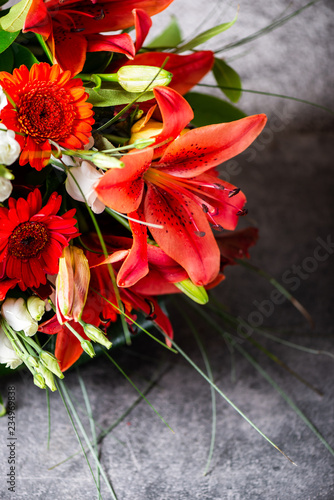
[181, 191]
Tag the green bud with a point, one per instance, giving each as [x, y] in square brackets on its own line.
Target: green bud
[96, 335]
[105, 162]
[196, 293]
[88, 348]
[51, 362]
[31, 360]
[48, 377]
[39, 380]
[139, 78]
[6, 173]
[36, 307]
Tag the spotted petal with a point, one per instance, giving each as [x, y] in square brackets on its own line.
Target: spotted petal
[206, 147]
[189, 243]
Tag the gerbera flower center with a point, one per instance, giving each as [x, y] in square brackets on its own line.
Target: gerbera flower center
[45, 111]
[28, 240]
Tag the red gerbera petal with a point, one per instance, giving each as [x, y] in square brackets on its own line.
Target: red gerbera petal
[49, 105]
[30, 244]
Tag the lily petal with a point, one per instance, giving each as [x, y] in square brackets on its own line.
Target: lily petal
[121, 189]
[176, 114]
[122, 44]
[143, 24]
[38, 19]
[206, 147]
[135, 265]
[193, 247]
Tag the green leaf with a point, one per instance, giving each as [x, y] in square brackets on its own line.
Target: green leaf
[6, 39]
[22, 55]
[226, 77]
[209, 109]
[114, 96]
[15, 18]
[206, 35]
[170, 37]
[7, 60]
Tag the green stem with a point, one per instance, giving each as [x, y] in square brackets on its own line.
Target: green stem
[270, 94]
[45, 47]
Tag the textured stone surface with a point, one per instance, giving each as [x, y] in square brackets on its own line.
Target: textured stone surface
[288, 180]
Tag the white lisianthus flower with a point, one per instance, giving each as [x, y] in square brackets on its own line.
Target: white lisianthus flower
[9, 147]
[5, 188]
[18, 317]
[87, 177]
[7, 353]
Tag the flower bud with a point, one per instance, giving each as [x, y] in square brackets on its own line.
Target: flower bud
[39, 381]
[88, 348]
[96, 335]
[196, 293]
[139, 78]
[85, 177]
[9, 147]
[36, 307]
[32, 361]
[7, 353]
[5, 172]
[72, 284]
[51, 362]
[105, 161]
[18, 317]
[145, 129]
[48, 377]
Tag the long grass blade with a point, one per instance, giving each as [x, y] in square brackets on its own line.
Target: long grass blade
[69, 404]
[239, 348]
[213, 392]
[92, 426]
[267, 29]
[270, 94]
[186, 357]
[136, 388]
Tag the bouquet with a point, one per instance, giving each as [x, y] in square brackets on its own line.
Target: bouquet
[112, 199]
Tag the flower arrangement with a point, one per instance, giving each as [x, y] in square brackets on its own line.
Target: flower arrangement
[110, 192]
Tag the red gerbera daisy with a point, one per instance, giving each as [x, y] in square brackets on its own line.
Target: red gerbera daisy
[46, 104]
[32, 238]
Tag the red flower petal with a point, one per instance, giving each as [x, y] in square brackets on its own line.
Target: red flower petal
[176, 114]
[203, 148]
[121, 189]
[121, 44]
[190, 244]
[135, 265]
[143, 24]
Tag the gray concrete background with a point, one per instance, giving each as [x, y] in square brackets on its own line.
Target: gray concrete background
[288, 180]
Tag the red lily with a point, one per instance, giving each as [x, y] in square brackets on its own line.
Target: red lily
[181, 191]
[73, 27]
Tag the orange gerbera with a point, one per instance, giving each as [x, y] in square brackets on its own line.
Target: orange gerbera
[45, 104]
